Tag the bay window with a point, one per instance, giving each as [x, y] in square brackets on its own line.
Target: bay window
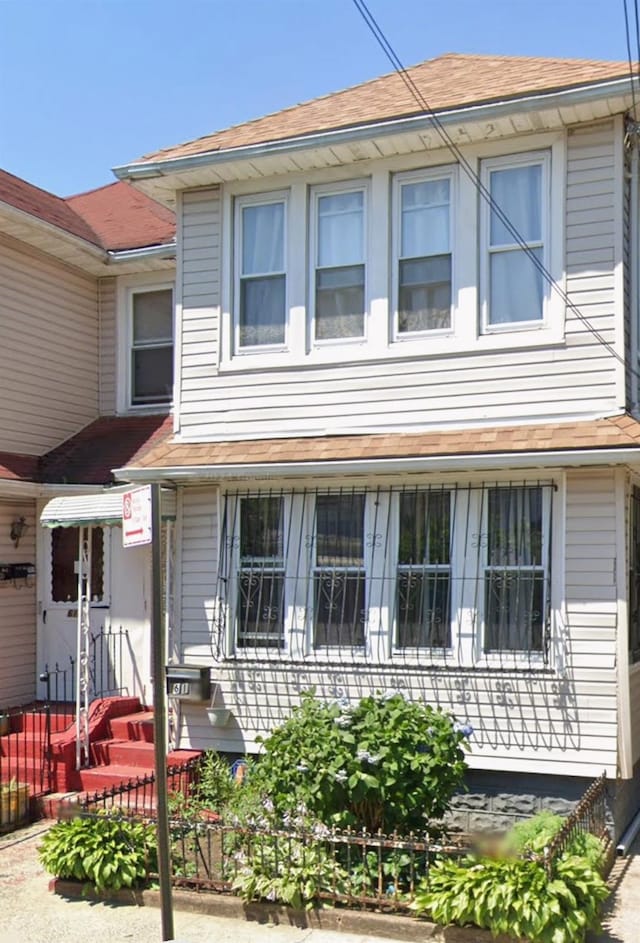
[339, 251]
[424, 254]
[449, 574]
[515, 289]
[261, 282]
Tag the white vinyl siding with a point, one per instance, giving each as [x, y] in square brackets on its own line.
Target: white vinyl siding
[107, 350]
[49, 350]
[17, 611]
[560, 721]
[571, 375]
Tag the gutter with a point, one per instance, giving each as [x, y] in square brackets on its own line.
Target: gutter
[412, 465]
[166, 250]
[139, 170]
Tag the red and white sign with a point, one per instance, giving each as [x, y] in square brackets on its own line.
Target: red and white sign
[136, 517]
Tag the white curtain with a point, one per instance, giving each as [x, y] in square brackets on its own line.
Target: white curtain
[425, 219]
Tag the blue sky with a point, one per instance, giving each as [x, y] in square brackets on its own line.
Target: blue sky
[89, 84]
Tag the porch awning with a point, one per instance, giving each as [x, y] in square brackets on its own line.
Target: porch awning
[101, 509]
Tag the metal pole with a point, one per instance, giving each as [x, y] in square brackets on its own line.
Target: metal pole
[158, 646]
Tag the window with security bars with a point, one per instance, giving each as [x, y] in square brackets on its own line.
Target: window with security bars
[339, 613]
[634, 577]
[449, 574]
[423, 581]
[514, 576]
[261, 573]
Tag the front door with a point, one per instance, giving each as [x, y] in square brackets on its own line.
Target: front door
[59, 607]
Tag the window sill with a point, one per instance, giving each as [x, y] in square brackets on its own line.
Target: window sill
[398, 350]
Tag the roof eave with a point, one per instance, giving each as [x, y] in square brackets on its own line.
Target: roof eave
[584, 94]
[163, 251]
[469, 461]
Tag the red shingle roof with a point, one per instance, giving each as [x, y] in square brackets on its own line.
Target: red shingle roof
[449, 81]
[112, 217]
[88, 457]
[124, 218]
[15, 467]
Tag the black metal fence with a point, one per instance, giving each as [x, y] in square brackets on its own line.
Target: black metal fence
[355, 868]
[109, 655]
[25, 765]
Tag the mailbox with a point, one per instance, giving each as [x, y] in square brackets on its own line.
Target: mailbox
[188, 682]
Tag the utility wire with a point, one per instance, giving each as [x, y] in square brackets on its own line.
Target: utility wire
[469, 170]
[629, 53]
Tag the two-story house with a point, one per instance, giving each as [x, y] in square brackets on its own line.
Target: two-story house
[86, 360]
[405, 429]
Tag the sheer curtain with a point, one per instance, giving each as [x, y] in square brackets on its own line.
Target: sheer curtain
[262, 280]
[340, 266]
[516, 285]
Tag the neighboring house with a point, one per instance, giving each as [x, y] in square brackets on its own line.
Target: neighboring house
[86, 300]
[403, 458]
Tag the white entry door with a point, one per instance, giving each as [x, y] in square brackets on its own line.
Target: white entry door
[59, 606]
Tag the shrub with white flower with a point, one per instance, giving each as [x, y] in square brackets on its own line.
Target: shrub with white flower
[383, 762]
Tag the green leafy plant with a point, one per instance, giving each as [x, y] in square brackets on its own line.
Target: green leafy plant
[533, 835]
[285, 869]
[515, 896]
[107, 851]
[381, 763]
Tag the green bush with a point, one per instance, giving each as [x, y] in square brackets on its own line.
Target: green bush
[108, 852]
[535, 834]
[381, 763]
[515, 896]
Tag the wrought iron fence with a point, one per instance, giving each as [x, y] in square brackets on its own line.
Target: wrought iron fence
[109, 654]
[25, 737]
[588, 816]
[137, 796]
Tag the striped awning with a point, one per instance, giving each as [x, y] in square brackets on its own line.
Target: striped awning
[104, 508]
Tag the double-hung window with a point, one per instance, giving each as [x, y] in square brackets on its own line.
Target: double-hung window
[423, 578]
[515, 231]
[339, 584]
[261, 573]
[151, 371]
[338, 240]
[515, 571]
[423, 240]
[261, 282]
[456, 573]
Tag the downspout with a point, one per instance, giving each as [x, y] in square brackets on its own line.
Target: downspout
[633, 130]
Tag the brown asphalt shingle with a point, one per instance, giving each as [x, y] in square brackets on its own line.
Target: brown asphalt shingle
[449, 81]
[616, 432]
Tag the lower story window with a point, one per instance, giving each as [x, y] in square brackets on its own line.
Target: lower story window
[65, 553]
[455, 572]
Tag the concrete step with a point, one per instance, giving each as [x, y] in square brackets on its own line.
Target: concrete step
[137, 726]
[123, 752]
[116, 774]
[23, 744]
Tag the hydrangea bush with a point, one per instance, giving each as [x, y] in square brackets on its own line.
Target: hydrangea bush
[382, 763]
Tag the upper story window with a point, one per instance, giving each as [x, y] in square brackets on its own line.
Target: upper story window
[339, 252]
[151, 346]
[514, 287]
[261, 282]
[423, 293]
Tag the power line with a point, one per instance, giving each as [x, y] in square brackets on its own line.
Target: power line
[469, 170]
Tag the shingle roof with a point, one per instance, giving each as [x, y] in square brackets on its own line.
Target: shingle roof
[16, 467]
[449, 81]
[615, 432]
[45, 206]
[123, 217]
[107, 443]
[113, 217]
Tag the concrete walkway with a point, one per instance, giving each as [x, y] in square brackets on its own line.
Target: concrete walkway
[30, 913]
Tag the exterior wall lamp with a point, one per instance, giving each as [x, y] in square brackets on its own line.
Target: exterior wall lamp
[18, 528]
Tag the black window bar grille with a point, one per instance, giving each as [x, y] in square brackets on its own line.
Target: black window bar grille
[429, 575]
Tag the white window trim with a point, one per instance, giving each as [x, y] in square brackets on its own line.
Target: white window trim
[330, 189]
[528, 159]
[127, 288]
[380, 345]
[467, 620]
[258, 199]
[445, 172]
